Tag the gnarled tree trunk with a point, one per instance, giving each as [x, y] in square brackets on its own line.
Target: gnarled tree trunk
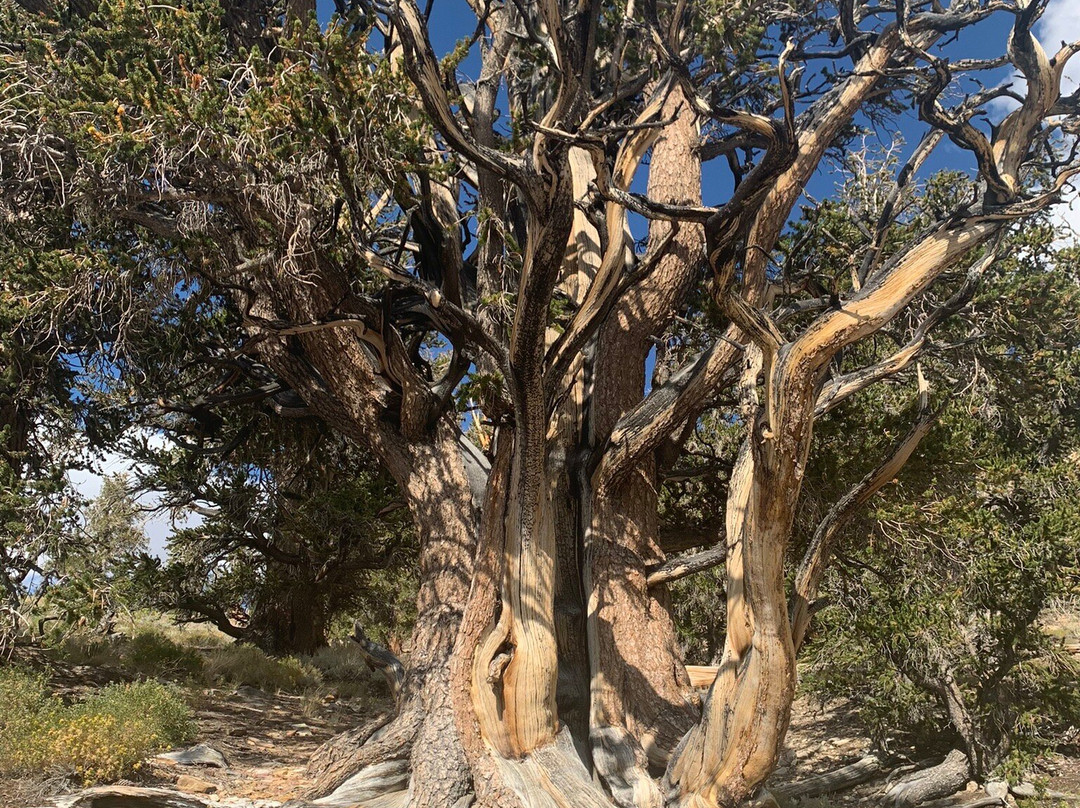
[543, 669]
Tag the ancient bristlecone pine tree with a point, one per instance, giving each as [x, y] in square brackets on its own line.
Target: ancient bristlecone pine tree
[544, 667]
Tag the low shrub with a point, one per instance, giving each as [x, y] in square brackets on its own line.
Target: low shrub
[340, 662]
[149, 653]
[87, 648]
[152, 654]
[154, 706]
[247, 665]
[105, 737]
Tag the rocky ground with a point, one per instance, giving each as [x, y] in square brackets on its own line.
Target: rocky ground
[266, 740]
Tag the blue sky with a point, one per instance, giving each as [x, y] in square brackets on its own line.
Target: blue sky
[452, 20]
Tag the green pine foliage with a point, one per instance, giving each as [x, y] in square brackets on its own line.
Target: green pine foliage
[940, 587]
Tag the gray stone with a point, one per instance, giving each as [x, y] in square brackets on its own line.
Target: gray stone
[198, 755]
[249, 693]
[1024, 791]
[997, 788]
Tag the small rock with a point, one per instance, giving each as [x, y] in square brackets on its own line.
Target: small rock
[997, 788]
[200, 755]
[193, 785]
[1023, 790]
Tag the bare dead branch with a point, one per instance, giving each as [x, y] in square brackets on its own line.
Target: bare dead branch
[840, 515]
[684, 566]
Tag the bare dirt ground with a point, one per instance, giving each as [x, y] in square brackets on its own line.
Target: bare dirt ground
[822, 739]
[267, 740]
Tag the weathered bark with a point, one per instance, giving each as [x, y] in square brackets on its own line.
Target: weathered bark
[730, 753]
[840, 779]
[566, 465]
[380, 659]
[423, 732]
[941, 780]
[542, 604]
[641, 700]
[129, 797]
[684, 566]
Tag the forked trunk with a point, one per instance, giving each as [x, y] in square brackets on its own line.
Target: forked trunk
[729, 754]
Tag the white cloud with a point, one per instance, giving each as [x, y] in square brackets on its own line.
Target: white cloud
[1061, 23]
[159, 525]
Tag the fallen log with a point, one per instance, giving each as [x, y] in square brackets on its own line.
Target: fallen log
[946, 778]
[845, 777]
[128, 797]
[702, 675]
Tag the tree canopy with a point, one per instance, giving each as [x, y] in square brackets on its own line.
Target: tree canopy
[567, 287]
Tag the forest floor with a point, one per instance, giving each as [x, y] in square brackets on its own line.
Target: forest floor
[267, 738]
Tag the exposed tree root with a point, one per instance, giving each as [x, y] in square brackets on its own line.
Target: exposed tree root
[553, 777]
[377, 742]
[380, 780]
[966, 800]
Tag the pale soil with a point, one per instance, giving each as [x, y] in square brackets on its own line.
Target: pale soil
[267, 739]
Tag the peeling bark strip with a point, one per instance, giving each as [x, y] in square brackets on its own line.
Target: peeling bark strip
[544, 669]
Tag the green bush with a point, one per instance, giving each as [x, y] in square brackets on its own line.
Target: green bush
[149, 653]
[149, 705]
[153, 654]
[248, 665]
[102, 738]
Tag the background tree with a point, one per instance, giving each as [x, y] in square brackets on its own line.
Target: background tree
[297, 531]
[82, 581]
[943, 585]
[544, 665]
[42, 414]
